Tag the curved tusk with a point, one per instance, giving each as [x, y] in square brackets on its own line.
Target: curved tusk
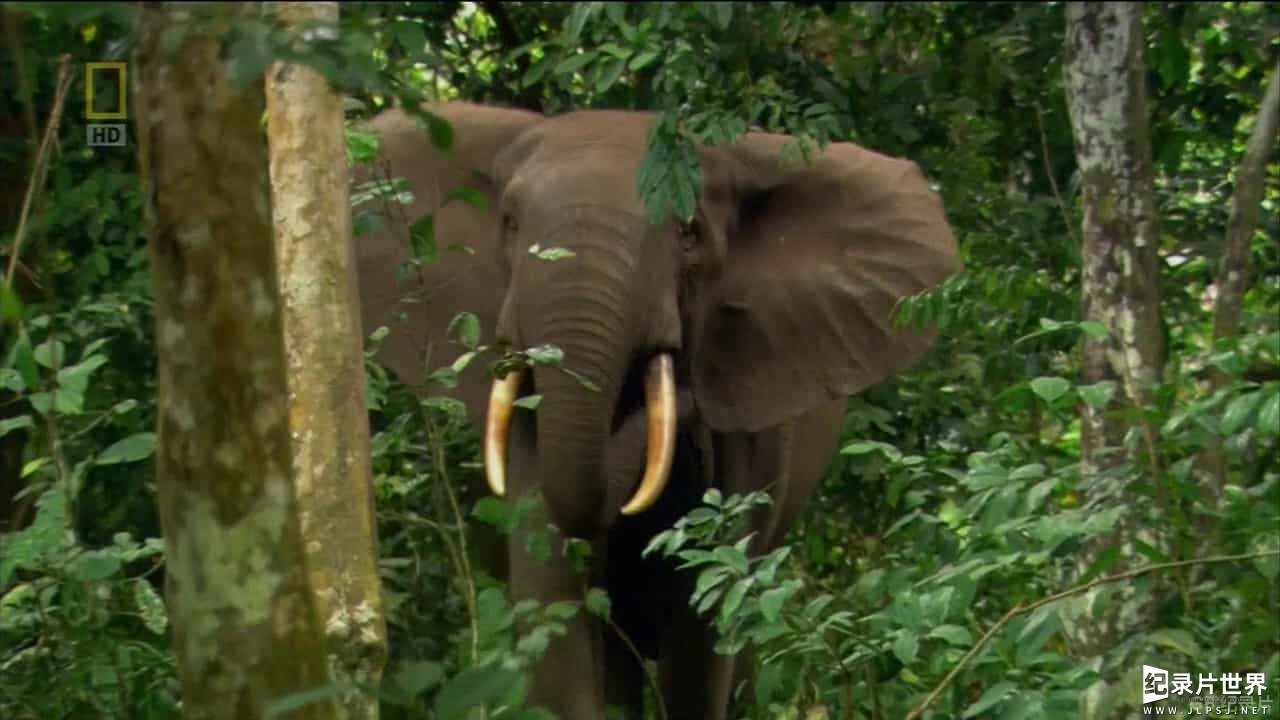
[660, 404]
[496, 427]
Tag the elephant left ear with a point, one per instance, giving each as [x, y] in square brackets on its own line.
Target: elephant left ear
[802, 312]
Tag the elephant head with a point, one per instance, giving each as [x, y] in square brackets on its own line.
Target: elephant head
[775, 297]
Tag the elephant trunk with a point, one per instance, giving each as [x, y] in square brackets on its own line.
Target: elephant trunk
[585, 315]
[573, 432]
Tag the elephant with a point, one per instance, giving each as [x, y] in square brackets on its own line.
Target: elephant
[720, 350]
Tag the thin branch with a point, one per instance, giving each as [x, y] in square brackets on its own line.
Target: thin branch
[1021, 609]
[1053, 182]
[653, 681]
[41, 165]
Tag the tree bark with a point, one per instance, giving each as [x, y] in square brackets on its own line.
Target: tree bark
[1233, 270]
[245, 628]
[1106, 94]
[324, 351]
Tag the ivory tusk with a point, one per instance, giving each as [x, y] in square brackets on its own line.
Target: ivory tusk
[496, 428]
[660, 405]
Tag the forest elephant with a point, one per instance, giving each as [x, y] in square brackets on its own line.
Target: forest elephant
[719, 351]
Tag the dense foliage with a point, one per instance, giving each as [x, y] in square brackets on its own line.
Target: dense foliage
[954, 506]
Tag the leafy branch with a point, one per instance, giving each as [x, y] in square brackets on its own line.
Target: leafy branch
[1023, 609]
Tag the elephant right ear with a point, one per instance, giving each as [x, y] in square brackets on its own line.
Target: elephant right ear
[822, 254]
[417, 304]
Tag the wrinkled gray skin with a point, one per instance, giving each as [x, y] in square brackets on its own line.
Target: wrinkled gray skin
[774, 302]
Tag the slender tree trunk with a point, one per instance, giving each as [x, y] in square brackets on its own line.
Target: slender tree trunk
[1233, 269]
[1106, 94]
[245, 628]
[328, 411]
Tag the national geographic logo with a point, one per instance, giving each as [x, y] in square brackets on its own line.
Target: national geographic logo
[106, 97]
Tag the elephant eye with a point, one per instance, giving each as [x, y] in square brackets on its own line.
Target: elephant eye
[509, 223]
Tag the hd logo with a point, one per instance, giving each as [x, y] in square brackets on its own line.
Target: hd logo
[106, 97]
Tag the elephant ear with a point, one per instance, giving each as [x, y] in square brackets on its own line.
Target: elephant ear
[802, 310]
[417, 305]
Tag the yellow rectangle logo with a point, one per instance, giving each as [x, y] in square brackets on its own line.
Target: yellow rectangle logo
[104, 71]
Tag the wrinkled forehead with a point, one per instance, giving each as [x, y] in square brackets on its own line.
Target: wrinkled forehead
[592, 156]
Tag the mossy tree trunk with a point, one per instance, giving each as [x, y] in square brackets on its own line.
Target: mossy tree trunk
[1106, 94]
[245, 628]
[328, 412]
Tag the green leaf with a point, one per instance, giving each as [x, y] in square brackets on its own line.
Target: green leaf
[285, 706]
[494, 511]
[577, 20]
[51, 353]
[733, 599]
[1032, 471]
[771, 602]
[561, 610]
[547, 355]
[10, 305]
[905, 648]
[1094, 329]
[863, 448]
[528, 402]
[734, 557]
[473, 688]
[1050, 388]
[723, 12]
[1269, 414]
[597, 602]
[418, 676]
[131, 449]
[992, 697]
[1240, 412]
[363, 146]
[441, 132]
[470, 196]
[422, 236]
[952, 635]
[8, 425]
[610, 71]
[24, 360]
[1098, 395]
[552, 253]
[641, 60]
[11, 380]
[95, 566]
[573, 63]
[1176, 639]
[467, 326]
[33, 465]
[150, 607]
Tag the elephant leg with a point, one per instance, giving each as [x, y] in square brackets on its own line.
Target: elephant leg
[786, 461]
[569, 678]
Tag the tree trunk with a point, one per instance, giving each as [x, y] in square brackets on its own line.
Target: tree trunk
[328, 411]
[1233, 270]
[245, 628]
[1106, 94]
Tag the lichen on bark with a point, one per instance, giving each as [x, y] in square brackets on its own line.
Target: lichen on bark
[323, 345]
[1106, 95]
[245, 629]
[1105, 79]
